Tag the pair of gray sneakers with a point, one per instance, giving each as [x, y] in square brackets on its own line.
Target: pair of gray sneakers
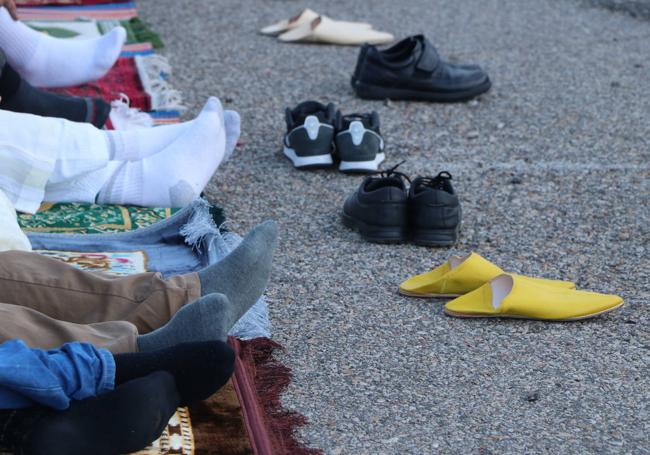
[318, 136]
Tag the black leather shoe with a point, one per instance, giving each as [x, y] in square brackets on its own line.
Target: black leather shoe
[378, 209]
[434, 211]
[412, 70]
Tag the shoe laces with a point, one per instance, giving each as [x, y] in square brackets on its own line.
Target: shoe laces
[439, 182]
[391, 172]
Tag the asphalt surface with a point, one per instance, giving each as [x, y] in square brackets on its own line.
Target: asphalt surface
[553, 167]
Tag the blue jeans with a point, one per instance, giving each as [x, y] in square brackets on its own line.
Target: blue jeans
[53, 378]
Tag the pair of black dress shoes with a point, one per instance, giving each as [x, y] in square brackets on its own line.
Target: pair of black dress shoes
[384, 210]
[413, 70]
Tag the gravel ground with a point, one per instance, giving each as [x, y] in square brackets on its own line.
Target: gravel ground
[553, 167]
[635, 8]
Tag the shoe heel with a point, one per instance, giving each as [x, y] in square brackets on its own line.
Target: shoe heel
[308, 162]
[438, 237]
[376, 234]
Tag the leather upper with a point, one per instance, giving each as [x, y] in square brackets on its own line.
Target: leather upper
[414, 63]
[378, 202]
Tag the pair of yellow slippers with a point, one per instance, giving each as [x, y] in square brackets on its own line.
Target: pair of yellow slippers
[482, 290]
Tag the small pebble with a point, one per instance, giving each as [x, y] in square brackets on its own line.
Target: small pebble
[532, 397]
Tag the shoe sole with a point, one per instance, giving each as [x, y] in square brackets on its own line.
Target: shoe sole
[362, 166]
[308, 162]
[436, 238]
[428, 296]
[377, 92]
[376, 234]
[505, 316]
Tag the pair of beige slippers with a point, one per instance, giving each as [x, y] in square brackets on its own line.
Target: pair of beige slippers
[310, 27]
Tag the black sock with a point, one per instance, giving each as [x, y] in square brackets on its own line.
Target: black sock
[200, 369]
[122, 421]
[17, 95]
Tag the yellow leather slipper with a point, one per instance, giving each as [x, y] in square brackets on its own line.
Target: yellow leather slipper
[512, 296]
[460, 275]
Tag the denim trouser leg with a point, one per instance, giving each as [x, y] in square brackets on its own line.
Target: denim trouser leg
[52, 378]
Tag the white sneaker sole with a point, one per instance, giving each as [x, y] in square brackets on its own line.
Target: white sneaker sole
[373, 165]
[308, 161]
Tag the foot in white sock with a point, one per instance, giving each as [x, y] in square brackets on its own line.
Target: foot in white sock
[136, 144]
[233, 130]
[178, 173]
[55, 62]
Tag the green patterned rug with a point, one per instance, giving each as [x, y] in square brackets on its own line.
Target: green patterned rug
[92, 218]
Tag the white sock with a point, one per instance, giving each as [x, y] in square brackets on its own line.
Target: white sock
[54, 62]
[177, 174]
[233, 130]
[135, 144]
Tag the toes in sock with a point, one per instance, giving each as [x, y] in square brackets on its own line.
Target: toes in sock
[244, 274]
[176, 174]
[136, 144]
[232, 121]
[122, 421]
[200, 369]
[55, 62]
[209, 318]
[17, 95]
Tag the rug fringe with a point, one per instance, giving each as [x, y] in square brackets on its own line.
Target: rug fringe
[271, 378]
[152, 70]
[201, 232]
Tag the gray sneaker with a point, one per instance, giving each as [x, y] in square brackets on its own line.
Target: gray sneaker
[359, 145]
[310, 134]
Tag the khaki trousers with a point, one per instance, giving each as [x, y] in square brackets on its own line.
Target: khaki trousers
[47, 303]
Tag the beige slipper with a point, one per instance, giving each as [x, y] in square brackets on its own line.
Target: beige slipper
[325, 30]
[305, 17]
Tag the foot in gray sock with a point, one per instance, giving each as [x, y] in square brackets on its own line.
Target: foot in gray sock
[244, 274]
[209, 318]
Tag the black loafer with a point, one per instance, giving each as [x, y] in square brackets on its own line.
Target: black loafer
[378, 209]
[434, 211]
[412, 70]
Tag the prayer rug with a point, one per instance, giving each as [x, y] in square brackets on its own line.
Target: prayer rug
[91, 218]
[65, 2]
[141, 40]
[246, 416]
[117, 11]
[130, 76]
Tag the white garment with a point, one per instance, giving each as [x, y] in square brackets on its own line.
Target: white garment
[41, 153]
[60, 161]
[11, 236]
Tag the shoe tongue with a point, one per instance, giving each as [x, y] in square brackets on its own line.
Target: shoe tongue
[426, 56]
[307, 108]
[364, 119]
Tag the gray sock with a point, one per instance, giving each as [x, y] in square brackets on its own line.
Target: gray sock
[244, 274]
[209, 318]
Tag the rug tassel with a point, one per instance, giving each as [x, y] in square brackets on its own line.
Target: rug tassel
[202, 233]
[271, 378]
